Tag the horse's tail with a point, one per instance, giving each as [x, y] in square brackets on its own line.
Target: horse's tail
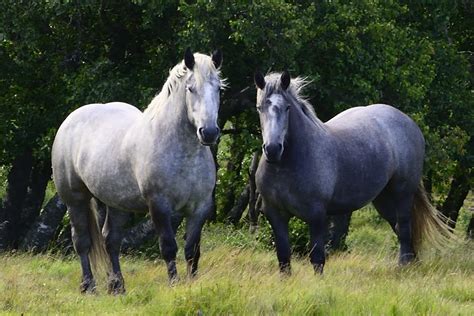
[98, 254]
[429, 226]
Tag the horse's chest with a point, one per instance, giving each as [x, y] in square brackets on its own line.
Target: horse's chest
[278, 188]
[186, 180]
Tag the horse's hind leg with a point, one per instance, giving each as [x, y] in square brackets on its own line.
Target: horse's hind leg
[396, 208]
[113, 233]
[79, 216]
[387, 209]
[337, 227]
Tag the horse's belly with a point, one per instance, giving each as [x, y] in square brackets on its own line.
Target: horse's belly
[118, 192]
[352, 198]
[340, 207]
[188, 194]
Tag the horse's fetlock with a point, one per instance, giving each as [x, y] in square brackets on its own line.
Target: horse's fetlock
[318, 268]
[88, 286]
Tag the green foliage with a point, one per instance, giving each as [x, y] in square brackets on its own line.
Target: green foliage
[234, 156]
[58, 55]
[3, 180]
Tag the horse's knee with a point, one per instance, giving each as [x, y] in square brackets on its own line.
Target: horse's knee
[168, 248]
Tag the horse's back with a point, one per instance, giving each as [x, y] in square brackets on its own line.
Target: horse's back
[88, 143]
[90, 124]
[389, 123]
[392, 136]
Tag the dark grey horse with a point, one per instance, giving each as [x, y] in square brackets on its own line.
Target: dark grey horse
[152, 161]
[365, 154]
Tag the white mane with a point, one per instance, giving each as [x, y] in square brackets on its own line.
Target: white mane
[272, 83]
[203, 70]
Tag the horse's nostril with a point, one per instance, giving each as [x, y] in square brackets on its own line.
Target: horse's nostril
[209, 134]
[273, 151]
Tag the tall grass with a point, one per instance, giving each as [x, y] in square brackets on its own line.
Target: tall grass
[240, 276]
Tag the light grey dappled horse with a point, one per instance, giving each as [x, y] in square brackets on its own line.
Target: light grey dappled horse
[156, 161]
[365, 154]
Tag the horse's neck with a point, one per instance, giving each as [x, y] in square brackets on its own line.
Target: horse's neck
[302, 129]
[169, 124]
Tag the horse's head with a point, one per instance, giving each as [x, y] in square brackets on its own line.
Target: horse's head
[273, 108]
[203, 87]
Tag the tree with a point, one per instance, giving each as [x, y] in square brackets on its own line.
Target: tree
[58, 55]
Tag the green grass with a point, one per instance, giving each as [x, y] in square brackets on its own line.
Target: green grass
[239, 276]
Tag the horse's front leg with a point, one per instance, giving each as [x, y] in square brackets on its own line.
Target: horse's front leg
[194, 224]
[279, 225]
[113, 233]
[317, 226]
[160, 211]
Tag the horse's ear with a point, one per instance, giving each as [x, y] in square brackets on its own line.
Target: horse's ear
[259, 80]
[285, 80]
[189, 58]
[217, 58]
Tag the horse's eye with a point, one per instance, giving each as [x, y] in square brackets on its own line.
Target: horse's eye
[190, 89]
[288, 107]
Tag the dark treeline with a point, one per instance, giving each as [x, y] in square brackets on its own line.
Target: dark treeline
[58, 55]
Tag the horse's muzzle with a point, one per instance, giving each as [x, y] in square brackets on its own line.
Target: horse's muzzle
[208, 135]
[273, 152]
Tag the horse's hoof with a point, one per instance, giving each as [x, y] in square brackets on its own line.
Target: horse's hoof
[285, 270]
[88, 287]
[173, 281]
[406, 259]
[318, 268]
[116, 290]
[116, 285]
[191, 270]
[253, 229]
[191, 275]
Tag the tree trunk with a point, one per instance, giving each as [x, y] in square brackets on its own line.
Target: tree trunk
[40, 176]
[238, 101]
[10, 213]
[44, 229]
[236, 212]
[470, 228]
[137, 235]
[213, 215]
[253, 211]
[234, 166]
[458, 191]
[63, 241]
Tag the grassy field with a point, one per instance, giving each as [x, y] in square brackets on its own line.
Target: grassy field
[240, 276]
